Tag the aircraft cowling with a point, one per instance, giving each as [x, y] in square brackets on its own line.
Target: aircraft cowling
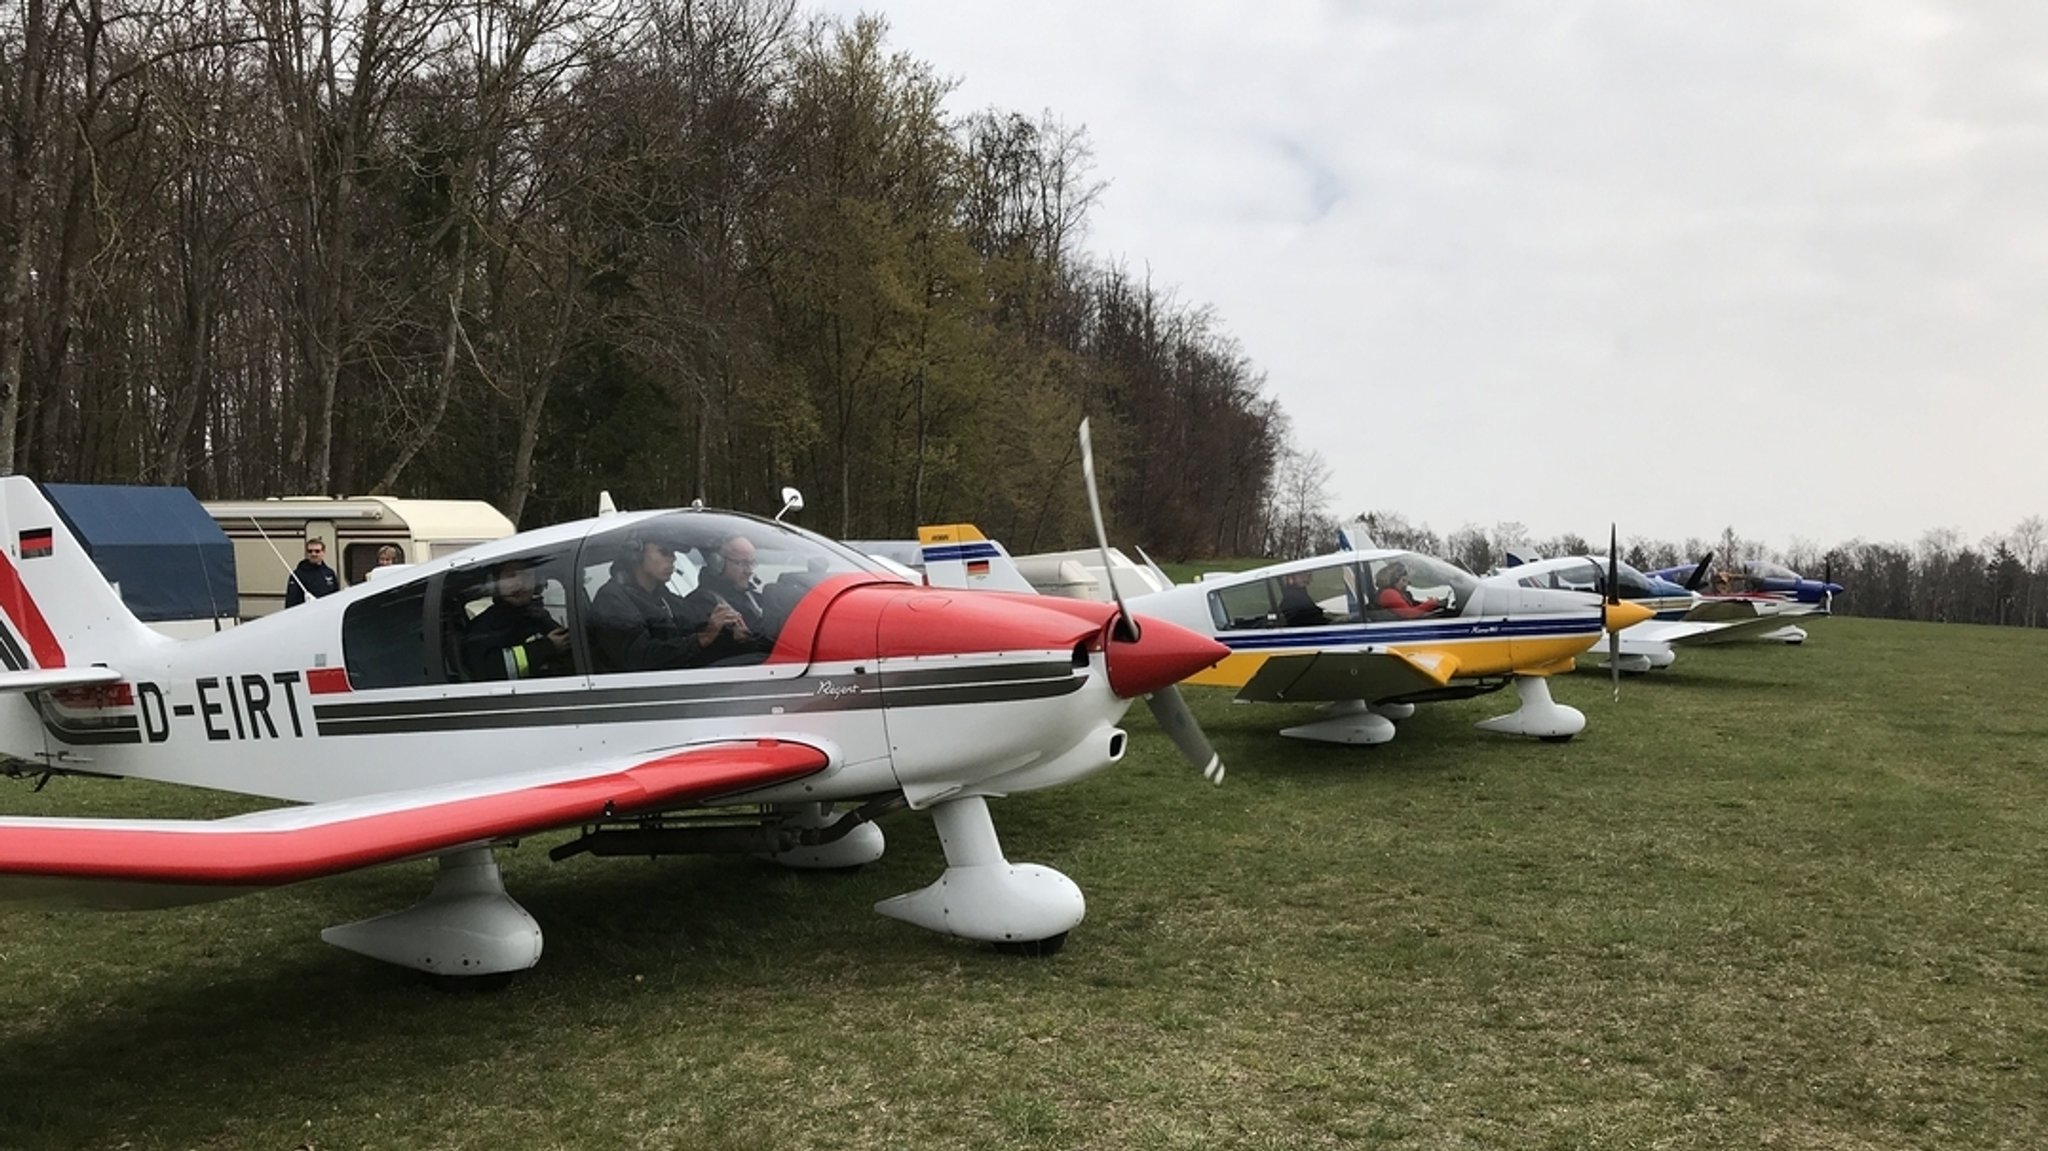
[891, 621]
[1162, 655]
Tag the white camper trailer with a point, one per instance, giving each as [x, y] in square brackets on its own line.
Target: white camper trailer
[270, 536]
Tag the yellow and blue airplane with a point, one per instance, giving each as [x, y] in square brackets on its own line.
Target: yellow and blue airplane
[1341, 630]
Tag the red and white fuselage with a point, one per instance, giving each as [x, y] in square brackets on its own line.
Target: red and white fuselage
[372, 707]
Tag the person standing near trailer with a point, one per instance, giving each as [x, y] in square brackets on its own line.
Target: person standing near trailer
[312, 578]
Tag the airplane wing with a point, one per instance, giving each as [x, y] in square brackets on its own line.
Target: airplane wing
[1702, 632]
[1322, 676]
[120, 863]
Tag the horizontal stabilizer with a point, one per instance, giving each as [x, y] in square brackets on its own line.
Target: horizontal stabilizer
[50, 679]
[156, 862]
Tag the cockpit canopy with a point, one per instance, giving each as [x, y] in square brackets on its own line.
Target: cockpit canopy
[1765, 569]
[1341, 589]
[785, 556]
[1589, 574]
[527, 613]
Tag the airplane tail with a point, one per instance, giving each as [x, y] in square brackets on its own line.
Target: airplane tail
[58, 614]
[959, 556]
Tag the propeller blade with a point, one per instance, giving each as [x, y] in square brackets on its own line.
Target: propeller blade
[1692, 582]
[1127, 627]
[1173, 714]
[1167, 705]
[1614, 661]
[1614, 596]
[1613, 565]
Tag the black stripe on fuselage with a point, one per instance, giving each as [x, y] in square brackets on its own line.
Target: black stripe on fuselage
[932, 687]
[10, 650]
[83, 730]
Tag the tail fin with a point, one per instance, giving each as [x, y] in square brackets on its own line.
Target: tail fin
[959, 556]
[56, 609]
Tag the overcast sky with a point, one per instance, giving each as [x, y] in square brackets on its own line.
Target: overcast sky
[1775, 266]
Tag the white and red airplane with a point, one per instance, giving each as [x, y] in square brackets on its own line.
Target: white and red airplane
[399, 733]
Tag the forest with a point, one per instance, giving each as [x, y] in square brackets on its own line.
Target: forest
[521, 250]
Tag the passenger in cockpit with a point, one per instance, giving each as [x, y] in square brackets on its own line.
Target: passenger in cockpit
[1298, 608]
[515, 637]
[727, 603]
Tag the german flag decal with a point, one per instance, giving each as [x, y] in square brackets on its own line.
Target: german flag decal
[37, 542]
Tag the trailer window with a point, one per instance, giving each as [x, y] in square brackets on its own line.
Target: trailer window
[384, 639]
[358, 558]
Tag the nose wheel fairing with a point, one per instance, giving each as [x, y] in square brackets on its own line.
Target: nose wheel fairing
[983, 896]
[1539, 715]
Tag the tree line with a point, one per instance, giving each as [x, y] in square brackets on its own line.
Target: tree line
[522, 250]
[2001, 579]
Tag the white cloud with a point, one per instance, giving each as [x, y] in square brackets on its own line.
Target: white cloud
[1682, 266]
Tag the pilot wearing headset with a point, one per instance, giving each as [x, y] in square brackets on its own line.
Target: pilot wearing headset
[727, 603]
[637, 624]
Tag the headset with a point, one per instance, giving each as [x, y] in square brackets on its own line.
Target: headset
[628, 556]
[714, 557]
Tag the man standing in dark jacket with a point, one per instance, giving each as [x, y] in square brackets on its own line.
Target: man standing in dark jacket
[312, 578]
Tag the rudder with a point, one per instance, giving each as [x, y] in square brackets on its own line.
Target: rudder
[58, 610]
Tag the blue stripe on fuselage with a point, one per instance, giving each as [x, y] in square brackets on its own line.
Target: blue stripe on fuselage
[1337, 635]
[939, 553]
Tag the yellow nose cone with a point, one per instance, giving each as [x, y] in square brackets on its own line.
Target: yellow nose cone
[1627, 613]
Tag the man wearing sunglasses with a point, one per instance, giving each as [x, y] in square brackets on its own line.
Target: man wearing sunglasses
[312, 578]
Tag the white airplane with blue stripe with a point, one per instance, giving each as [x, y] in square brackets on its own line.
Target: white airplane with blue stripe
[1680, 617]
[1347, 631]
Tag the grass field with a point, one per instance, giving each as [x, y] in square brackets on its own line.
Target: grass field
[1777, 897]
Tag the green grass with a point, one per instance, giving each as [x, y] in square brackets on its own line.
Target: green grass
[1783, 897]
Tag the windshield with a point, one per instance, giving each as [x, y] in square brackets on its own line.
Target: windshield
[1765, 569]
[1428, 576]
[783, 556]
[699, 589]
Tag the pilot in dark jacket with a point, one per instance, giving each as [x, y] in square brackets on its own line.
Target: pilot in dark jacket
[637, 624]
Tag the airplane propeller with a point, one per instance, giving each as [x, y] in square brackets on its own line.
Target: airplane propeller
[1613, 599]
[1692, 582]
[1166, 703]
